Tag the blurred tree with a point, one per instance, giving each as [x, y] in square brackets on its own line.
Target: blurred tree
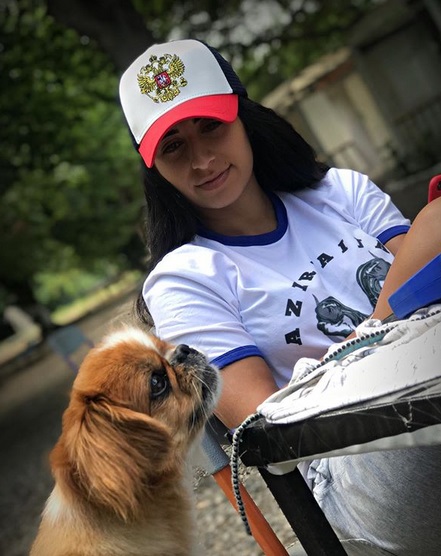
[115, 25]
[70, 189]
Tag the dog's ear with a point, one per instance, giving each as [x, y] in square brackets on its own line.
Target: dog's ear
[111, 454]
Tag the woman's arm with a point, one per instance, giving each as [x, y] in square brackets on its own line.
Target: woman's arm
[245, 384]
[412, 251]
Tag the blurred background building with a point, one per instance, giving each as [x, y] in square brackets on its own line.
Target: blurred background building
[375, 105]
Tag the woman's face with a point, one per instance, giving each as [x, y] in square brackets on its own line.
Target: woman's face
[208, 161]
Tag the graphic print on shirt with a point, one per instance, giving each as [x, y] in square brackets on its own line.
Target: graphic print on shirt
[336, 319]
[371, 276]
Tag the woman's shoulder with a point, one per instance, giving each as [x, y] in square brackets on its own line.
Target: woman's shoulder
[338, 185]
[193, 261]
[343, 177]
[188, 273]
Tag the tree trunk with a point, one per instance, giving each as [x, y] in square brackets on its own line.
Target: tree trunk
[115, 25]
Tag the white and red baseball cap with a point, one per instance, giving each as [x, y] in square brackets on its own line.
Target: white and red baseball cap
[171, 82]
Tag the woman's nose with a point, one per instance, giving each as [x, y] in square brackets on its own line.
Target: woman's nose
[201, 156]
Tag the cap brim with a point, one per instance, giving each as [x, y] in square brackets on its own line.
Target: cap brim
[220, 107]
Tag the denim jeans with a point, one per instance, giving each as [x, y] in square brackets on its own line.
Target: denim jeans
[390, 500]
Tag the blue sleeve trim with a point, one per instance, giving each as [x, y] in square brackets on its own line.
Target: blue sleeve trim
[385, 236]
[236, 354]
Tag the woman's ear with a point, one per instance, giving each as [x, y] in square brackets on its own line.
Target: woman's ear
[111, 455]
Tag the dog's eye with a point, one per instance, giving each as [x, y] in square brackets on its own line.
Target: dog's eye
[158, 384]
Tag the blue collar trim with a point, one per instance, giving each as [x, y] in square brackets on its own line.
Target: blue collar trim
[261, 239]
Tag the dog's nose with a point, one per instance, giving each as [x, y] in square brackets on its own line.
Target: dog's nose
[182, 352]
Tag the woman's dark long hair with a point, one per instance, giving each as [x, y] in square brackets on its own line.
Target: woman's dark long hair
[283, 161]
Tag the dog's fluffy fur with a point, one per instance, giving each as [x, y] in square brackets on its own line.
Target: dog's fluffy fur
[136, 408]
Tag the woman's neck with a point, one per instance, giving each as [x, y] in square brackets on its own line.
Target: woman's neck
[252, 214]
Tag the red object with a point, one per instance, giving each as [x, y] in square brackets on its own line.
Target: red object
[260, 528]
[434, 188]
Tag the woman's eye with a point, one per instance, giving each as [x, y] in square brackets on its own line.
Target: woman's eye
[171, 147]
[159, 385]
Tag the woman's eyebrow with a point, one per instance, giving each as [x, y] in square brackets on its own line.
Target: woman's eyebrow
[170, 132]
[173, 131]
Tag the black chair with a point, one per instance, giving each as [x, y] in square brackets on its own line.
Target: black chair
[264, 445]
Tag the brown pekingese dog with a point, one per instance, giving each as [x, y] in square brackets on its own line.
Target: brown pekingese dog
[136, 408]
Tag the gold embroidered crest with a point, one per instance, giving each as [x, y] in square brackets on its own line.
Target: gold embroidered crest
[162, 78]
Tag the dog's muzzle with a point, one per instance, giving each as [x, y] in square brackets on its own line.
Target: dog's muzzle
[182, 353]
[198, 363]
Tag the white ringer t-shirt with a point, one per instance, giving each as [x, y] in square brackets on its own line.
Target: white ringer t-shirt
[285, 294]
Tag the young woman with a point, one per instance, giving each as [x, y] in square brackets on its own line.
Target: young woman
[260, 255]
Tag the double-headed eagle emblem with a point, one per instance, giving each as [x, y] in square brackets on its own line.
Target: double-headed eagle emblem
[162, 78]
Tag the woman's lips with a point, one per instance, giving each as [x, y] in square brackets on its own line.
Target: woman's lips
[215, 182]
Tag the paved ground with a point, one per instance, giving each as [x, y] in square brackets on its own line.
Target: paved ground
[32, 401]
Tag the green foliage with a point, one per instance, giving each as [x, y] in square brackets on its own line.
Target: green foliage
[69, 191]
[61, 288]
